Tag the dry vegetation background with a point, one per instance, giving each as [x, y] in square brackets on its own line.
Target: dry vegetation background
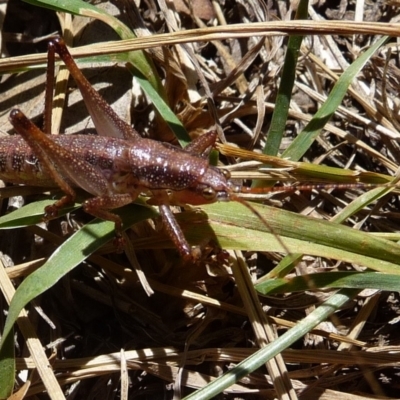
[98, 309]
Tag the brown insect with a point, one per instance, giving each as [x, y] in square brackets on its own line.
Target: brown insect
[116, 166]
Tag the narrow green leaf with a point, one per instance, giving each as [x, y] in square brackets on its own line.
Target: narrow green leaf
[259, 358]
[79, 7]
[162, 107]
[334, 280]
[303, 142]
[235, 227]
[281, 111]
[31, 214]
[7, 367]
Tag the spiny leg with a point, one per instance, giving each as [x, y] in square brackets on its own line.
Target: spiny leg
[100, 207]
[32, 135]
[106, 121]
[175, 233]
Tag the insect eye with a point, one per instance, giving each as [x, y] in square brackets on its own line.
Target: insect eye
[209, 193]
[226, 173]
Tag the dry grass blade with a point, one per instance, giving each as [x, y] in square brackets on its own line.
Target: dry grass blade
[263, 331]
[41, 362]
[271, 28]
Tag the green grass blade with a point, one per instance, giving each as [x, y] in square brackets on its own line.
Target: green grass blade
[31, 214]
[79, 7]
[7, 367]
[235, 227]
[303, 142]
[162, 107]
[334, 280]
[281, 111]
[287, 264]
[259, 358]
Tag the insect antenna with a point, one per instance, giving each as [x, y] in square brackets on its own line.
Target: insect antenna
[318, 186]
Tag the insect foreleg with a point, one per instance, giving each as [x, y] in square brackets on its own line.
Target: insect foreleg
[203, 143]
